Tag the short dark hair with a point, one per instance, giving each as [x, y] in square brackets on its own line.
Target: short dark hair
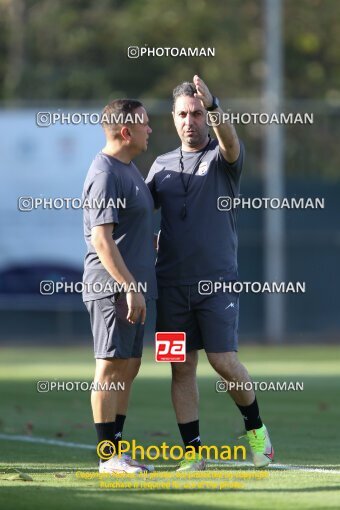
[119, 108]
[184, 89]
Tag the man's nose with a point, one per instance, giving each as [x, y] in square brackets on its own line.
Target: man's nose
[188, 119]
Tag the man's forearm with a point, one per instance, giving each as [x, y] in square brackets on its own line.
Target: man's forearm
[109, 255]
[225, 132]
[226, 135]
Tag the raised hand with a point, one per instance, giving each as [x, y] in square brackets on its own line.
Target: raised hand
[203, 93]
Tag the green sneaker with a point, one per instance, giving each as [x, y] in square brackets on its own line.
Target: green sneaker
[196, 464]
[261, 447]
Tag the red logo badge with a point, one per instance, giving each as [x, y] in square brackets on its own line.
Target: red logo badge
[170, 346]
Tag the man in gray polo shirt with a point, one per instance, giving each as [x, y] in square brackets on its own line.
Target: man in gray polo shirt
[119, 275]
[199, 242]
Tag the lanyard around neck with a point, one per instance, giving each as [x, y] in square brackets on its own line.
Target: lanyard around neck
[187, 184]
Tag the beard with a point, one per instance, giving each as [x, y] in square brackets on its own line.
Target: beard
[195, 139]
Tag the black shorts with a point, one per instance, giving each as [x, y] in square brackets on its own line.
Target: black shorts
[113, 335]
[209, 321]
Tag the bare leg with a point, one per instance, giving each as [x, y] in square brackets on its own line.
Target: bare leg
[228, 366]
[184, 390]
[105, 402]
[129, 375]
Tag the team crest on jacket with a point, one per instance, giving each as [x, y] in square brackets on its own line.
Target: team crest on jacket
[203, 168]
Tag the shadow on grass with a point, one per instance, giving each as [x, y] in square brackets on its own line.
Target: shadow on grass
[36, 498]
[150, 420]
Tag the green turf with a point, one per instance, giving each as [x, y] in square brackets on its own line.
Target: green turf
[303, 426]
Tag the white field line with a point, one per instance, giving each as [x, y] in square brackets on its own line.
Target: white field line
[227, 463]
[41, 440]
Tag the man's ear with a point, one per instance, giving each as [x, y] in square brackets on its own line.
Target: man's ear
[173, 114]
[125, 133]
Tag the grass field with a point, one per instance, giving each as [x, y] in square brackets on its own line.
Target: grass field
[304, 427]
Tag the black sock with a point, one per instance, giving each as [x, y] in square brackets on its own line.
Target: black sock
[251, 416]
[120, 419]
[190, 433]
[106, 432]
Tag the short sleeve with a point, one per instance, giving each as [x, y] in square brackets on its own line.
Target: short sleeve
[102, 198]
[151, 183]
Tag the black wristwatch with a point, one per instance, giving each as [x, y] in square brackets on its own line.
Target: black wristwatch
[215, 104]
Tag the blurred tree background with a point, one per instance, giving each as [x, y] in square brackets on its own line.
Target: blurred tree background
[77, 49]
[74, 53]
